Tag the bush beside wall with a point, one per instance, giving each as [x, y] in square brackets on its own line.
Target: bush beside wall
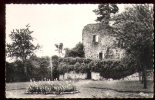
[115, 69]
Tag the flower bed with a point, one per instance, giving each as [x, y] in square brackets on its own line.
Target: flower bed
[51, 87]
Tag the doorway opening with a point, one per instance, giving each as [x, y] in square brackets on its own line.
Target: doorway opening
[100, 55]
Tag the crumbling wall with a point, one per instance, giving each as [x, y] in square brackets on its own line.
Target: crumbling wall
[105, 40]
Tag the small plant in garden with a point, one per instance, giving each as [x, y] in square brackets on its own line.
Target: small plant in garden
[50, 87]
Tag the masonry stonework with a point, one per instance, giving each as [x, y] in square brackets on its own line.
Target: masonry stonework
[104, 42]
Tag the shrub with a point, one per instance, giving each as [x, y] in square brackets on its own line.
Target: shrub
[55, 58]
[50, 87]
[87, 61]
[62, 68]
[110, 68]
[55, 73]
[83, 68]
[77, 67]
[60, 59]
[71, 60]
[116, 69]
[80, 60]
[70, 68]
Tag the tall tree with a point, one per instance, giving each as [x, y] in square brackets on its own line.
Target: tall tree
[55, 69]
[134, 28]
[21, 47]
[77, 51]
[59, 48]
[104, 12]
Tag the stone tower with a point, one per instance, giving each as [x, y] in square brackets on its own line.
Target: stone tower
[99, 43]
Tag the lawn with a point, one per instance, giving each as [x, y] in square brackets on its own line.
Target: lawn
[122, 86]
[89, 89]
[16, 85]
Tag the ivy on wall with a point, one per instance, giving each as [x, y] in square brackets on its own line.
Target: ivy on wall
[115, 69]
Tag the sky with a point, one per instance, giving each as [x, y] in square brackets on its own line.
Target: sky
[51, 23]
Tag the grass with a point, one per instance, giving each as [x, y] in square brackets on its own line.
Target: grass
[122, 86]
[16, 85]
[89, 89]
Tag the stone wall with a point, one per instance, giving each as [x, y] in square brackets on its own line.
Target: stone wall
[105, 40]
[96, 76]
[73, 75]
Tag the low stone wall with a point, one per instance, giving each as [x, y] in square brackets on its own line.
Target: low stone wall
[73, 75]
[96, 76]
[135, 76]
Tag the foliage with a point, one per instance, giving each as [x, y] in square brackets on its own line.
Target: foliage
[55, 61]
[55, 69]
[44, 71]
[77, 67]
[104, 11]
[50, 87]
[14, 72]
[55, 58]
[62, 68]
[59, 48]
[70, 68]
[21, 46]
[115, 69]
[37, 69]
[77, 51]
[8, 72]
[112, 68]
[134, 28]
[40, 69]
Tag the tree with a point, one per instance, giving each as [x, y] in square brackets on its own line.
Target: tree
[59, 48]
[134, 28]
[39, 68]
[104, 12]
[55, 69]
[14, 72]
[77, 51]
[62, 68]
[21, 47]
[44, 67]
[9, 72]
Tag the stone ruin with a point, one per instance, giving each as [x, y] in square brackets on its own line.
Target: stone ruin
[99, 43]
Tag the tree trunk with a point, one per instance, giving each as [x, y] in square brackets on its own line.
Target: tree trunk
[25, 71]
[144, 78]
[142, 81]
[25, 68]
[51, 74]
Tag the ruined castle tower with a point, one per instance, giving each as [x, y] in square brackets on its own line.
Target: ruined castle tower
[99, 42]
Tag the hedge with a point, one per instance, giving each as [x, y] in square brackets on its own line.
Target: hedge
[115, 69]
